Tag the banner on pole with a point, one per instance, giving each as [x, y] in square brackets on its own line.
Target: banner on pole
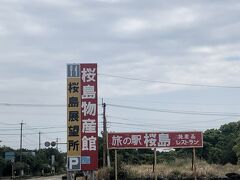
[82, 117]
[137, 140]
[89, 117]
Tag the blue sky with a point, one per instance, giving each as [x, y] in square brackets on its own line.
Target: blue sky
[187, 42]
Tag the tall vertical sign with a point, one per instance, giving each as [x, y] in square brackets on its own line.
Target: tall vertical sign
[82, 117]
[73, 117]
[89, 117]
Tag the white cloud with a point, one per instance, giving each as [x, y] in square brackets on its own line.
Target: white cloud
[32, 28]
[130, 25]
[3, 31]
[201, 50]
[175, 18]
[108, 1]
[57, 3]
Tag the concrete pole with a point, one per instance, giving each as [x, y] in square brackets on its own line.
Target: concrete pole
[116, 172]
[39, 140]
[155, 163]
[194, 164]
[21, 142]
[104, 134]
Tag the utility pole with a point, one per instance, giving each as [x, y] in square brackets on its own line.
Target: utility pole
[104, 133]
[105, 150]
[39, 140]
[57, 143]
[21, 141]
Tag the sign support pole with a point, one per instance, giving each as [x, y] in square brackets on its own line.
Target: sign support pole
[194, 165]
[155, 164]
[12, 170]
[69, 175]
[92, 175]
[115, 164]
[192, 160]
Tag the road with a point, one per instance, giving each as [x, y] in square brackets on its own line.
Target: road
[57, 177]
[49, 177]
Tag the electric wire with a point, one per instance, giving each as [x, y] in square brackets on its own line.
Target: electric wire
[175, 111]
[170, 83]
[34, 105]
[181, 122]
[149, 109]
[35, 133]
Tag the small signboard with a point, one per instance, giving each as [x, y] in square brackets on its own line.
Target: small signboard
[47, 144]
[53, 143]
[9, 156]
[145, 140]
[74, 163]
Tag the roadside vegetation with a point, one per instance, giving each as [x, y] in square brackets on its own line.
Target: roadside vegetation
[219, 156]
[180, 169]
[34, 162]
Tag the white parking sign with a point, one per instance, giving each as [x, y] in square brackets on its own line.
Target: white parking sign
[74, 163]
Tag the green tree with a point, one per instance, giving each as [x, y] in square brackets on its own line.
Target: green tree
[2, 165]
[219, 144]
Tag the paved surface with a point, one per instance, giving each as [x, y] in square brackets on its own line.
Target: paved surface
[49, 177]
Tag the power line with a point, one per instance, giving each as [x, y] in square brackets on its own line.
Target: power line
[172, 124]
[61, 105]
[8, 124]
[153, 125]
[169, 103]
[171, 128]
[28, 141]
[15, 113]
[176, 111]
[133, 124]
[157, 124]
[36, 133]
[44, 127]
[131, 128]
[29, 129]
[171, 83]
[33, 105]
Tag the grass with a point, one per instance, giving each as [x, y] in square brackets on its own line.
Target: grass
[178, 169]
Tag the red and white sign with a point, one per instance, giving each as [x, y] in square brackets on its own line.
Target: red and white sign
[155, 140]
[82, 117]
[89, 117]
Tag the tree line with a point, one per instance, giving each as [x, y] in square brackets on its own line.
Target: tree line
[221, 146]
[34, 162]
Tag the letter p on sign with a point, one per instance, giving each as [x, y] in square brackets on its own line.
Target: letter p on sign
[74, 163]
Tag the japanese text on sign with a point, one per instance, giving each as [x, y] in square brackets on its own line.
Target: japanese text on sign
[89, 121]
[155, 139]
[73, 110]
[82, 117]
